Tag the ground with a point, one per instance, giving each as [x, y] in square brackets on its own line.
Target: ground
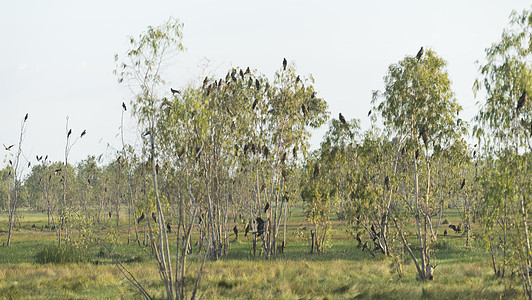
[343, 271]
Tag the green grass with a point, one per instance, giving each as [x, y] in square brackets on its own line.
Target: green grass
[342, 272]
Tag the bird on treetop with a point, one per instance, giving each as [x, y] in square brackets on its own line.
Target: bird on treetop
[420, 53]
[341, 117]
[124, 106]
[284, 64]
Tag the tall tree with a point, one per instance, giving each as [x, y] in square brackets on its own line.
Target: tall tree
[418, 107]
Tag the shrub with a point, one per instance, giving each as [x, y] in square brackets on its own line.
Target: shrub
[57, 255]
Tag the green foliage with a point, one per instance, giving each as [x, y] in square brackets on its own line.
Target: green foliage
[60, 255]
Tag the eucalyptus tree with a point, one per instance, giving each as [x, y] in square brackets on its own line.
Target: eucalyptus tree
[503, 124]
[17, 167]
[418, 107]
[141, 69]
[294, 108]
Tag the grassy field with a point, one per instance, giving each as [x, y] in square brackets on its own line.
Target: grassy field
[342, 272]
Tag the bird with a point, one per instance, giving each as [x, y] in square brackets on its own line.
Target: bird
[316, 170]
[69, 133]
[341, 117]
[174, 91]
[247, 230]
[254, 104]
[445, 232]
[110, 214]
[26, 117]
[235, 230]
[83, 133]
[140, 218]
[265, 151]
[386, 181]
[419, 53]
[168, 228]
[456, 229]
[8, 148]
[266, 207]
[284, 64]
[260, 226]
[313, 95]
[154, 217]
[463, 184]
[124, 106]
[29, 164]
[522, 101]
[369, 113]
[298, 79]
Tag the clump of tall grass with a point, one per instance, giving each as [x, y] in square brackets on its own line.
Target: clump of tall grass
[58, 255]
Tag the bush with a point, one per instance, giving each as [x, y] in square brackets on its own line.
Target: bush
[59, 255]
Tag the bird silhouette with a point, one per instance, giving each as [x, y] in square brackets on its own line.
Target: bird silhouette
[254, 104]
[174, 91]
[26, 117]
[369, 113]
[420, 53]
[140, 218]
[522, 101]
[260, 226]
[463, 184]
[168, 228]
[387, 181]
[265, 151]
[341, 117]
[235, 230]
[124, 106]
[8, 148]
[69, 133]
[266, 207]
[110, 215]
[83, 133]
[298, 79]
[445, 232]
[248, 228]
[284, 64]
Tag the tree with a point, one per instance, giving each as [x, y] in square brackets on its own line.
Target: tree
[18, 166]
[503, 124]
[142, 68]
[418, 108]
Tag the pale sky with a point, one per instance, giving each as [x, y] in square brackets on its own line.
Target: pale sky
[57, 56]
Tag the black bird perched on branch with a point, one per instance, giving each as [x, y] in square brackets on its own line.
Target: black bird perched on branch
[341, 117]
[247, 230]
[316, 170]
[174, 91]
[235, 230]
[168, 228]
[463, 184]
[284, 64]
[420, 53]
[266, 207]
[83, 133]
[522, 101]
[124, 106]
[254, 104]
[140, 218]
[369, 112]
[445, 232]
[260, 226]
[8, 148]
[154, 217]
[69, 133]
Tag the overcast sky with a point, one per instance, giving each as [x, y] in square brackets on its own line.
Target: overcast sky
[57, 56]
